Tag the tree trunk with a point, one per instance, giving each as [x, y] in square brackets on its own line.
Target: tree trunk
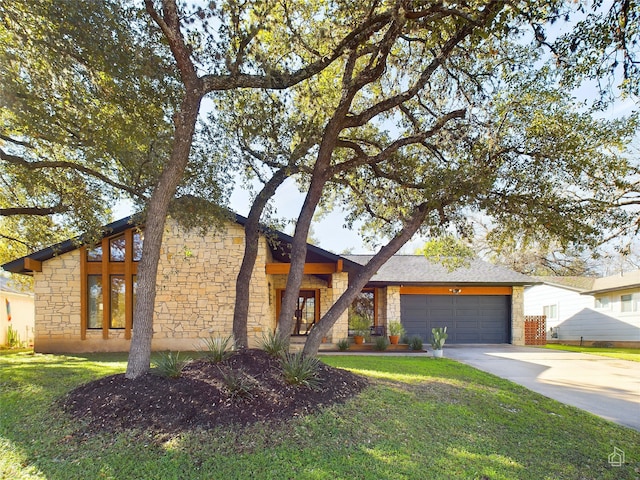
[140, 350]
[252, 238]
[298, 257]
[314, 339]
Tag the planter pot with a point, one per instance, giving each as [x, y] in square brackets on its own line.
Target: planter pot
[394, 339]
[437, 353]
[358, 339]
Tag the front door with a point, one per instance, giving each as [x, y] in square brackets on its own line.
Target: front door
[307, 311]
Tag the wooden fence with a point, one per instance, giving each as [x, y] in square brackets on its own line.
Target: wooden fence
[535, 330]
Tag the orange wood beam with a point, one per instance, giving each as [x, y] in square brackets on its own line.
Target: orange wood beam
[451, 290]
[33, 265]
[309, 268]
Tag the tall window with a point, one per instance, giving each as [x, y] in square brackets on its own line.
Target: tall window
[109, 283]
[602, 303]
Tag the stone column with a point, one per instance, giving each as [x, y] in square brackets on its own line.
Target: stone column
[517, 316]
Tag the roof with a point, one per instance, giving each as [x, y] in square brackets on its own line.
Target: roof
[578, 284]
[622, 281]
[417, 269]
[6, 285]
[280, 249]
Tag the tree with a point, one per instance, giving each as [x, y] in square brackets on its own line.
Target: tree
[235, 46]
[83, 116]
[535, 166]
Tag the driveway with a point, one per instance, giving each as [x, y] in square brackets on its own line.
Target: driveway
[603, 386]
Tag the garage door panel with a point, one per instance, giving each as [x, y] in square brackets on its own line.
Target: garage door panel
[469, 319]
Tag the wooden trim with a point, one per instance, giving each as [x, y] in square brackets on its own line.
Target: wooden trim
[339, 266]
[33, 265]
[106, 288]
[449, 290]
[128, 283]
[280, 292]
[309, 269]
[83, 293]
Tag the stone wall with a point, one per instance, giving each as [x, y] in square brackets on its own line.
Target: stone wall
[57, 301]
[517, 316]
[195, 295]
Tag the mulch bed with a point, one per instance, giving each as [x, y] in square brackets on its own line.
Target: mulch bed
[199, 398]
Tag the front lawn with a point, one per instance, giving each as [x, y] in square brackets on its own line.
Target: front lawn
[421, 418]
[632, 354]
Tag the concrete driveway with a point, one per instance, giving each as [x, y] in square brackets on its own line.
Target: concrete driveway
[603, 386]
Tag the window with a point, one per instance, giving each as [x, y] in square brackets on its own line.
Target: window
[95, 305]
[550, 311]
[627, 304]
[603, 303]
[307, 311]
[109, 283]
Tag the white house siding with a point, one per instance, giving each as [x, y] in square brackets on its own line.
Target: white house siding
[578, 319]
[22, 313]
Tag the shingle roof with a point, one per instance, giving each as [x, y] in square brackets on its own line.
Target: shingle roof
[280, 250]
[6, 286]
[578, 284]
[416, 269]
[621, 281]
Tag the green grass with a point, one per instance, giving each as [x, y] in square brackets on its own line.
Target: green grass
[421, 418]
[632, 354]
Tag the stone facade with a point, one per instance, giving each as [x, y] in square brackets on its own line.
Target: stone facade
[195, 295]
[517, 316]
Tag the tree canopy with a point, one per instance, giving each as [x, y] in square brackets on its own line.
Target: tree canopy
[409, 115]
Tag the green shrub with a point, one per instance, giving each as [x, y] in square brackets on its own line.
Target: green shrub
[299, 369]
[404, 338]
[343, 345]
[217, 349]
[273, 344]
[380, 344]
[415, 342]
[170, 365]
[13, 338]
[237, 383]
[396, 329]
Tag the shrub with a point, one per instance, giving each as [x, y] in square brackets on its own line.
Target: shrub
[343, 345]
[360, 324]
[404, 338]
[170, 365]
[217, 349]
[380, 344]
[299, 369]
[396, 328]
[237, 383]
[273, 344]
[13, 338]
[415, 342]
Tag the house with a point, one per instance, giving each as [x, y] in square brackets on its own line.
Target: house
[587, 310]
[16, 313]
[84, 294]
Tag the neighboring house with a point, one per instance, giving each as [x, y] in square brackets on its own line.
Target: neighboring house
[84, 295]
[588, 309]
[16, 311]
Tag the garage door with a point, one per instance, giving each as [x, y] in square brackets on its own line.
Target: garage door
[468, 318]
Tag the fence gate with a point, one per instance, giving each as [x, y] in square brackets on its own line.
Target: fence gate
[535, 330]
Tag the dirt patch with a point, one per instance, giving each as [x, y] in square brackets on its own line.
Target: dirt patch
[200, 398]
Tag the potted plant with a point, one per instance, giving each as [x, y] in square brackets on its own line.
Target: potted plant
[396, 330]
[360, 325]
[438, 337]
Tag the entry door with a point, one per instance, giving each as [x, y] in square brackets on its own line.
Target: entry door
[307, 311]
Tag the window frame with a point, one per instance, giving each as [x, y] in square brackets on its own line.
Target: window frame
[631, 302]
[555, 311]
[107, 268]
